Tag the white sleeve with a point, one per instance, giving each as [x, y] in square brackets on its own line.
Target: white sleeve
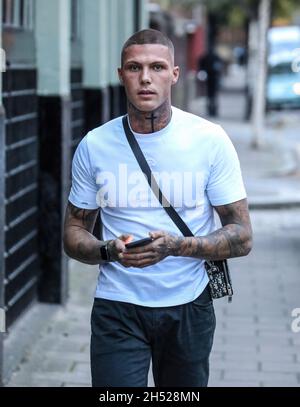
[84, 188]
[225, 184]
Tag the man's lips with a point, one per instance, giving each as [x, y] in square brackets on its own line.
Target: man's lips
[146, 92]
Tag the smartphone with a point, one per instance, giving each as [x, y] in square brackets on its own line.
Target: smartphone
[138, 243]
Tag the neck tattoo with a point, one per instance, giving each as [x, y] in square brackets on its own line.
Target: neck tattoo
[152, 118]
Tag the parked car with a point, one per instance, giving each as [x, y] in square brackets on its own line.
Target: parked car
[283, 83]
[283, 80]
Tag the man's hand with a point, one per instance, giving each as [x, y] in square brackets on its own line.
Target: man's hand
[117, 247]
[149, 254]
[234, 239]
[79, 242]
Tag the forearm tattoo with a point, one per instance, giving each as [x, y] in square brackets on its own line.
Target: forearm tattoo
[234, 239]
[79, 243]
[86, 216]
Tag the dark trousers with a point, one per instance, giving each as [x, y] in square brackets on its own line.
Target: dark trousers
[126, 336]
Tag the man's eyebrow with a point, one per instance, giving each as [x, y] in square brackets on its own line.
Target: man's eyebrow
[141, 63]
[131, 62]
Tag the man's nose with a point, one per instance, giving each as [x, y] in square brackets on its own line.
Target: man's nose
[145, 76]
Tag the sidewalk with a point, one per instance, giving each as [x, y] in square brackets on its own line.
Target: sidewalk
[254, 343]
[59, 355]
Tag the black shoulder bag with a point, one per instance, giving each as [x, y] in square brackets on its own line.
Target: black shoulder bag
[217, 270]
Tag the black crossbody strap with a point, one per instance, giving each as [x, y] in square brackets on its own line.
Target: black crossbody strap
[182, 226]
[185, 230]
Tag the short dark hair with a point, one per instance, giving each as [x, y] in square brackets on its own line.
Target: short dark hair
[148, 36]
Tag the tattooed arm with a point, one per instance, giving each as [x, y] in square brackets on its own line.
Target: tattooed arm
[79, 242]
[234, 239]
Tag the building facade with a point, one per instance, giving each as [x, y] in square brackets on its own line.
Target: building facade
[59, 80]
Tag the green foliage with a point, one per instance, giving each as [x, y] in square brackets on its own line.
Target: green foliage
[234, 12]
[184, 4]
[281, 8]
[285, 8]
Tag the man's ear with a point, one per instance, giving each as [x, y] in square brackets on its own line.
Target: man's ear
[175, 75]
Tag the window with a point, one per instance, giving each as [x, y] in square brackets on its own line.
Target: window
[281, 69]
[18, 14]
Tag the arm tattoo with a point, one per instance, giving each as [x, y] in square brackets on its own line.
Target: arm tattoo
[87, 217]
[79, 243]
[234, 239]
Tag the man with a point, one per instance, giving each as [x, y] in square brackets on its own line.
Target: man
[212, 65]
[153, 301]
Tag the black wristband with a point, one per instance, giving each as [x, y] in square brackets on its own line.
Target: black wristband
[104, 252]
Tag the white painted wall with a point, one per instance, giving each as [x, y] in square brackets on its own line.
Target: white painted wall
[114, 40]
[95, 42]
[144, 15]
[53, 46]
[126, 23]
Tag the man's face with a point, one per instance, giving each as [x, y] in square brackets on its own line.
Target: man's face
[148, 73]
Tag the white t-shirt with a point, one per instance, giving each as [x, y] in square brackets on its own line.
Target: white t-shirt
[196, 167]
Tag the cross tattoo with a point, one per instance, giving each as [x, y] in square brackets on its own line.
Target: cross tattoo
[152, 118]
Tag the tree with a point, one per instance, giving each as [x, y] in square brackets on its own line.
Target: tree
[258, 113]
[236, 12]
